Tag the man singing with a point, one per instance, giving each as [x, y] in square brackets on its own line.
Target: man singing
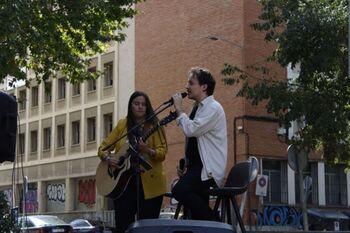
[206, 144]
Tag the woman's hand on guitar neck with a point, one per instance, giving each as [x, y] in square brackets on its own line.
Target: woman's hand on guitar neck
[143, 148]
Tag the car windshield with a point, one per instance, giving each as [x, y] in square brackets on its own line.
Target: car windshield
[80, 223]
[46, 220]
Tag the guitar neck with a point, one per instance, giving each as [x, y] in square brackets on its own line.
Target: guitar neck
[164, 121]
[150, 132]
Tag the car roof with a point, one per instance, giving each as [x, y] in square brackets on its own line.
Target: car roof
[41, 220]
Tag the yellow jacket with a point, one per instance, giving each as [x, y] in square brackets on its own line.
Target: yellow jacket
[153, 180]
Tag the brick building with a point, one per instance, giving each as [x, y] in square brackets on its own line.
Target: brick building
[164, 41]
[173, 36]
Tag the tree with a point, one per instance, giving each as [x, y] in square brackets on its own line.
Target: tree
[310, 35]
[7, 221]
[47, 36]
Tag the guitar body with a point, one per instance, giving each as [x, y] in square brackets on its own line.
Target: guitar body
[111, 181]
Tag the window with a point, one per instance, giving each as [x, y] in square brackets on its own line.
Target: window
[76, 89]
[35, 96]
[335, 180]
[91, 129]
[21, 143]
[60, 136]
[108, 74]
[22, 100]
[75, 132]
[310, 184]
[91, 84]
[47, 139]
[108, 124]
[47, 92]
[61, 88]
[33, 141]
[277, 183]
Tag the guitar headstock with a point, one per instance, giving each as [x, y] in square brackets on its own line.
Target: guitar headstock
[172, 116]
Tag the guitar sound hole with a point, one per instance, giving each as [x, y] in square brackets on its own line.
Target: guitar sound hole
[121, 160]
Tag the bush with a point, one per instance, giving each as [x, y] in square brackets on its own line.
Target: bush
[7, 221]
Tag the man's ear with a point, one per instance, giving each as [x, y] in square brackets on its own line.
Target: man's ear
[204, 87]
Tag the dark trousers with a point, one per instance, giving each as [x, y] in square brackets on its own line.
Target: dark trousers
[125, 207]
[189, 191]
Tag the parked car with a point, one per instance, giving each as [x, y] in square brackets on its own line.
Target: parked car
[90, 226]
[42, 224]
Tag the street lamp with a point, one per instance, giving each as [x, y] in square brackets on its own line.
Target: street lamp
[215, 38]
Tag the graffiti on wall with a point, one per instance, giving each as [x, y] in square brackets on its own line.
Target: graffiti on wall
[56, 192]
[32, 201]
[280, 216]
[87, 192]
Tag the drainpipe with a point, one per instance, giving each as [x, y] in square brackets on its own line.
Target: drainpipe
[250, 118]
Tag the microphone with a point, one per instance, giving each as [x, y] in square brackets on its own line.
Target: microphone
[182, 164]
[171, 101]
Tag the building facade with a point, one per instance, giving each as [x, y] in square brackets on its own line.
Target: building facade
[60, 126]
[60, 130]
[174, 36]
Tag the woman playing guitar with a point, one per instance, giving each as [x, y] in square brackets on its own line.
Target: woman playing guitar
[152, 183]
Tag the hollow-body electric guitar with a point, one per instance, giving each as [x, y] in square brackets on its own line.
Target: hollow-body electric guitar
[112, 181]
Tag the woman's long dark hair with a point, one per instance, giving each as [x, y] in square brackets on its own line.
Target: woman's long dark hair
[131, 122]
[149, 110]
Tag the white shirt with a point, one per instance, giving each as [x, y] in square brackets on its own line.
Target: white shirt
[209, 127]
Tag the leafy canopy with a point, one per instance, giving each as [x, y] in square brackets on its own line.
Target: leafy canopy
[50, 35]
[311, 36]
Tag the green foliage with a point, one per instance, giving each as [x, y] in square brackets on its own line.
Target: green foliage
[47, 36]
[7, 222]
[312, 36]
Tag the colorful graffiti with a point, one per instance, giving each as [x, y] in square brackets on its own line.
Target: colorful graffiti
[87, 192]
[32, 201]
[56, 192]
[280, 216]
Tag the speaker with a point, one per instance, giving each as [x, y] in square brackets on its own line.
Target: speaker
[178, 226]
[8, 127]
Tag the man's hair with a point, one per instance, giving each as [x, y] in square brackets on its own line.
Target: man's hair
[204, 77]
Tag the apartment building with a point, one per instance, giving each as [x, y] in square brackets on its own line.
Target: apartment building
[60, 126]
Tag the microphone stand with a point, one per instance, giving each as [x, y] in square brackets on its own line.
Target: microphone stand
[136, 156]
[138, 125]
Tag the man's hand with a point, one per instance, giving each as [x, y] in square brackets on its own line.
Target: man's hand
[181, 168]
[177, 98]
[180, 172]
